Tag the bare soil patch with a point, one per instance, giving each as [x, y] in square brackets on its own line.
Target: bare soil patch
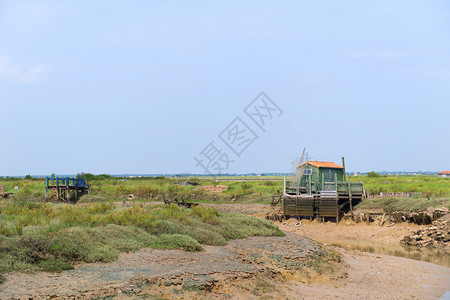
[212, 188]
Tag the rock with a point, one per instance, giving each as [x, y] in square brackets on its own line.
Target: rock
[412, 243]
[437, 235]
[200, 282]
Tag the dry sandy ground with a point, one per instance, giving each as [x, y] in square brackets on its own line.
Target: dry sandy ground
[372, 276]
[347, 230]
[368, 238]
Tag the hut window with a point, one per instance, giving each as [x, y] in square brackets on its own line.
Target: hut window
[307, 172]
[328, 175]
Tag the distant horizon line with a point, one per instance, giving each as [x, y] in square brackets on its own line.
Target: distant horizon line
[215, 175]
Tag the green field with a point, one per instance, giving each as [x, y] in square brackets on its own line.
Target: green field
[258, 190]
[150, 189]
[426, 184]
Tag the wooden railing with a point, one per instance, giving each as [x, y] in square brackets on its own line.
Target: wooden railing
[354, 187]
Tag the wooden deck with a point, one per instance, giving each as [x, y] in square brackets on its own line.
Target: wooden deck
[325, 204]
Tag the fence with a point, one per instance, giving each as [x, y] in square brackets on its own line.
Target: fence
[399, 194]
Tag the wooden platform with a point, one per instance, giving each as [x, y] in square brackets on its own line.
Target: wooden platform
[302, 205]
[325, 204]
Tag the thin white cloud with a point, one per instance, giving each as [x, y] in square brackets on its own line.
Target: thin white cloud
[8, 72]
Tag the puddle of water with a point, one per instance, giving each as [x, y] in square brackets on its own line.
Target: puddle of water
[435, 256]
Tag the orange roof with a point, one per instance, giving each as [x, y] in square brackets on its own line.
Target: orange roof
[322, 164]
[444, 172]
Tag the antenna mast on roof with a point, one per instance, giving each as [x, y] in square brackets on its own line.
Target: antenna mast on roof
[299, 172]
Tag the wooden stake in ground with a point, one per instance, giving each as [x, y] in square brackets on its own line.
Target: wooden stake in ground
[382, 219]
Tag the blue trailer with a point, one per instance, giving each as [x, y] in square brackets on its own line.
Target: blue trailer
[67, 189]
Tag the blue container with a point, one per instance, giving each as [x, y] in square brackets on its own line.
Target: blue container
[79, 182]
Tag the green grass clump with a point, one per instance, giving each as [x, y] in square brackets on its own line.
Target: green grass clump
[27, 254]
[89, 198]
[98, 244]
[176, 241]
[53, 265]
[237, 226]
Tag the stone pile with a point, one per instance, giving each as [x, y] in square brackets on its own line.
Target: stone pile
[437, 235]
[420, 218]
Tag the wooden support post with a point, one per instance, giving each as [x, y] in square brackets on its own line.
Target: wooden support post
[309, 184]
[323, 181]
[343, 165]
[57, 194]
[350, 194]
[382, 219]
[68, 195]
[337, 196]
[337, 206]
[335, 181]
[46, 193]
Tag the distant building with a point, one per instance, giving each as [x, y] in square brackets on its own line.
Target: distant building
[444, 174]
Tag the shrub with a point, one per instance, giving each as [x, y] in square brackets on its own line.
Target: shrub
[103, 243]
[145, 192]
[176, 241]
[372, 174]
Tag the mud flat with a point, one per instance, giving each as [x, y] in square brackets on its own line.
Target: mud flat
[373, 276]
[290, 267]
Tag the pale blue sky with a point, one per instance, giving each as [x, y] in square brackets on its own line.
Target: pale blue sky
[144, 86]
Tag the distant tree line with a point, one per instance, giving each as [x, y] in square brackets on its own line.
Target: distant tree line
[373, 174]
[89, 176]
